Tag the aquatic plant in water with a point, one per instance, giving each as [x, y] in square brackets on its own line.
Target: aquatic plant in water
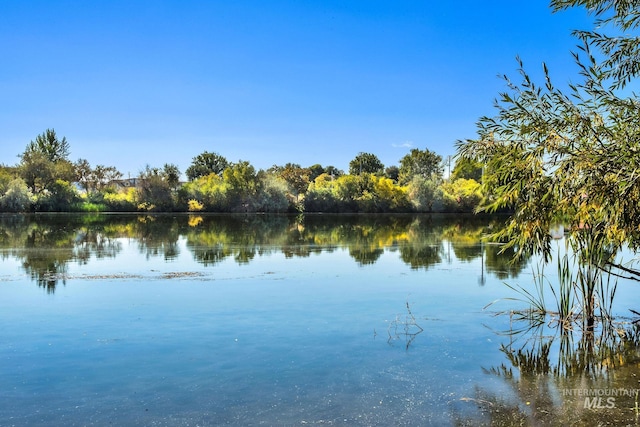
[583, 294]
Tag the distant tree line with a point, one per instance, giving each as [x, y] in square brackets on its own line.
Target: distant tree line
[45, 180]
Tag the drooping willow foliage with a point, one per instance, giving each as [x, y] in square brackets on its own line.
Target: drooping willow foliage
[571, 157]
[568, 156]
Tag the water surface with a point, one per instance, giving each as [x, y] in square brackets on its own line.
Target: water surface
[260, 320]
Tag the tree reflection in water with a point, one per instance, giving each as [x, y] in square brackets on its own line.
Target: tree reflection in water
[157, 236]
[46, 244]
[557, 376]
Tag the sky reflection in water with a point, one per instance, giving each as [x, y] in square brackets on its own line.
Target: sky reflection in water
[245, 320]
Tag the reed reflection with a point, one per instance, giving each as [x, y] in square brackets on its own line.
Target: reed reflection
[559, 376]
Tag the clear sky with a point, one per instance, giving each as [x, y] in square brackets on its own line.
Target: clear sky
[131, 83]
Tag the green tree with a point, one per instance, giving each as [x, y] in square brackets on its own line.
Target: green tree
[273, 194]
[242, 186]
[156, 190]
[171, 175]
[40, 173]
[315, 171]
[206, 163]
[48, 144]
[44, 161]
[467, 168]
[61, 195]
[37, 171]
[16, 197]
[424, 163]
[333, 171]
[425, 194]
[366, 163]
[296, 177]
[392, 172]
[7, 174]
[570, 157]
[351, 189]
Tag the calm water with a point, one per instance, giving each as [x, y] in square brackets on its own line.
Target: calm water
[257, 320]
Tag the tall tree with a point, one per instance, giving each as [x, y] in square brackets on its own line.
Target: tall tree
[242, 182]
[366, 163]
[206, 163]
[171, 174]
[333, 171]
[296, 177]
[48, 144]
[422, 163]
[37, 171]
[44, 161]
[315, 171]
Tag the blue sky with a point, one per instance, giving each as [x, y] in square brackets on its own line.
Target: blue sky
[131, 83]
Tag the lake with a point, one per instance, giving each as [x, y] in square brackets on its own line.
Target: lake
[186, 320]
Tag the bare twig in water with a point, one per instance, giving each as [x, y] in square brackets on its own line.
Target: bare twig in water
[410, 328]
